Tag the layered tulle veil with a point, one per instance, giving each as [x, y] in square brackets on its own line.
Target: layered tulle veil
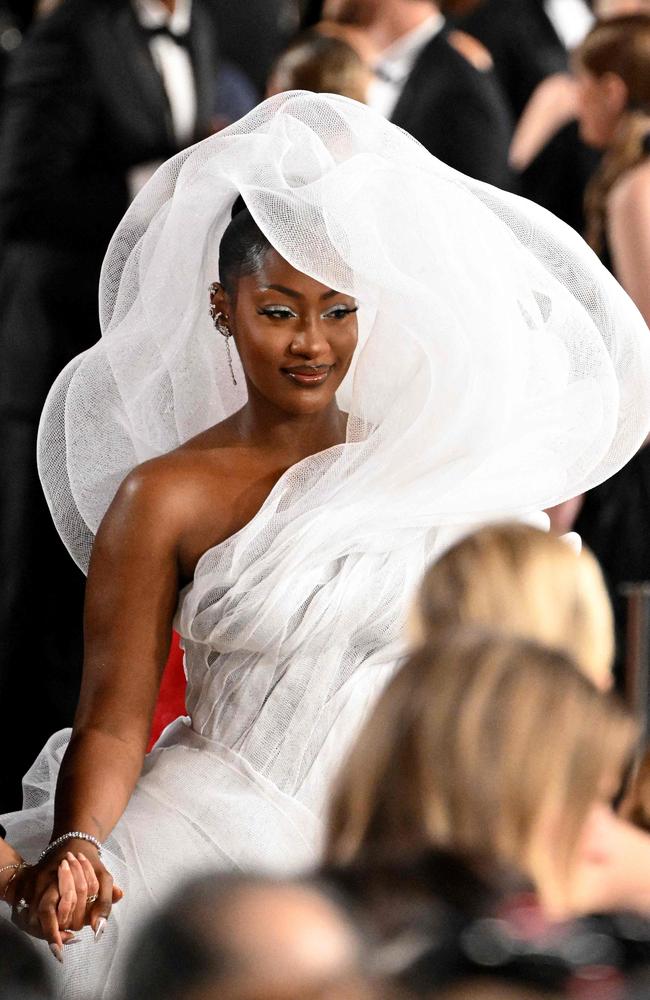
[501, 367]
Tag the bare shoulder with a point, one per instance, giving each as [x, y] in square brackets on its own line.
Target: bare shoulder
[628, 232]
[169, 486]
[631, 193]
[183, 502]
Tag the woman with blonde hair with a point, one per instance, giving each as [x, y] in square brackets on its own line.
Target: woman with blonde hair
[529, 583]
[323, 60]
[491, 747]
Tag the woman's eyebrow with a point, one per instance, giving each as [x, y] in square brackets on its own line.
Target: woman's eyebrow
[285, 291]
[294, 294]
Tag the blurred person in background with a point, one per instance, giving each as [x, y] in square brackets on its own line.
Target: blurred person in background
[553, 104]
[525, 582]
[323, 63]
[244, 937]
[98, 91]
[443, 925]
[616, 8]
[522, 581]
[460, 754]
[528, 39]
[613, 73]
[435, 83]
[356, 37]
[530, 42]
[460, 798]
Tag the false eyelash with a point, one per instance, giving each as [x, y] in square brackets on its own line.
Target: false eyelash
[275, 312]
[343, 310]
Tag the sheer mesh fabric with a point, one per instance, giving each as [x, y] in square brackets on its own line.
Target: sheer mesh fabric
[495, 346]
[500, 370]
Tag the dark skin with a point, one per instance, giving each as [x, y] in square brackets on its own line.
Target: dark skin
[295, 338]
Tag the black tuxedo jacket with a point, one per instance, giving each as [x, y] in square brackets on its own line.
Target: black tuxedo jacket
[523, 43]
[83, 103]
[526, 49]
[457, 112]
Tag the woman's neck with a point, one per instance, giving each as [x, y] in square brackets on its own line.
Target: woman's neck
[292, 435]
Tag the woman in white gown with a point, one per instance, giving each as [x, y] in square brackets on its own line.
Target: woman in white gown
[499, 369]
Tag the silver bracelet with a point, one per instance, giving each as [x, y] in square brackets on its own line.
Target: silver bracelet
[18, 864]
[18, 867]
[7, 867]
[73, 835]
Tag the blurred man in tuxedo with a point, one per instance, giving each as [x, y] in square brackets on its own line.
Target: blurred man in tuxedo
[530, 41]
[435, 83]
[97, 94]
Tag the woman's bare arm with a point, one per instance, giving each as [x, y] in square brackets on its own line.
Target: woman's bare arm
[552, 105]
[629, 235]
[131, 597]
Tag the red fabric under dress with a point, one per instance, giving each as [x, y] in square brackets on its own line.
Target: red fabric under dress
[171, 697]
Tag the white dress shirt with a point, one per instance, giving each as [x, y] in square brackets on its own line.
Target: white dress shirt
[571, 19]
[175, 68]
[395, 63]
[172, 62]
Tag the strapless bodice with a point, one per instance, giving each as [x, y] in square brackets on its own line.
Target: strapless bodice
[280, 670]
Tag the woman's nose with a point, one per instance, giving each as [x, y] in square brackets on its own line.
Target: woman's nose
[310, 339]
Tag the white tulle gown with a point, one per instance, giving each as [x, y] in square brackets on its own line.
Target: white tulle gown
[500, 370]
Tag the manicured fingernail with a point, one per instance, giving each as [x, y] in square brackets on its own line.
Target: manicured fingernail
[64, 864]
[70, 856]
[57, 952]
[100, 927]
[82, 857]
[72, 940]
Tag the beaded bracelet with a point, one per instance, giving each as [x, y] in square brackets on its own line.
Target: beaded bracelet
[15, 864]
[73, 835]
[22, 864]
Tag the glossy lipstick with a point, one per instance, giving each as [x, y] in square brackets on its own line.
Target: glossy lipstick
[308, 375]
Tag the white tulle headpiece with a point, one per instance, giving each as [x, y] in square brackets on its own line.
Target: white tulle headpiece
[501, 368]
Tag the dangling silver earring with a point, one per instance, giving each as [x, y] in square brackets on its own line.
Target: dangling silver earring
[220, 324]
[218, 319]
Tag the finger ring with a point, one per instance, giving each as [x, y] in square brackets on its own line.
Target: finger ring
[21, 905]
[91, 899]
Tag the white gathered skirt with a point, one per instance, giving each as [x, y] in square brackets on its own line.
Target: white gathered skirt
[198, 806]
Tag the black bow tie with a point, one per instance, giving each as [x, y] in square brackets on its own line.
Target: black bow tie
[163, 31]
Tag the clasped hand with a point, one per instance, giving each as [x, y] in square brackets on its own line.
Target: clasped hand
[62, 894]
